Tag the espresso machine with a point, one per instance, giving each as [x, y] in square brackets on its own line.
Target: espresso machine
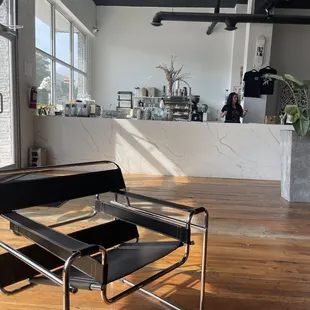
[199, 112]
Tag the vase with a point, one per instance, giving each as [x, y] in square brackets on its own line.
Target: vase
[295, 167]
[170, 92]
[170, 88]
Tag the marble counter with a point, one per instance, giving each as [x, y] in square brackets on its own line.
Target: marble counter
[245, 151]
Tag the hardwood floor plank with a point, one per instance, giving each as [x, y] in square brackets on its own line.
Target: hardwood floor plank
[258, 251]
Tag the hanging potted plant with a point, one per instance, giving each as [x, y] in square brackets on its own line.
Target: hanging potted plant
[295, 144]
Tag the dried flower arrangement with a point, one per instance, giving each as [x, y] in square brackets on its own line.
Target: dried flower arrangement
[173, 75]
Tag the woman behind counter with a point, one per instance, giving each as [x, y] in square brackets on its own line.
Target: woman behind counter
[232, 110]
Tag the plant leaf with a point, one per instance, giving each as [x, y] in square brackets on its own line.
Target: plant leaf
[295, 118]
[305, 113]
[302, 126]
[275, 77]
[290, 78]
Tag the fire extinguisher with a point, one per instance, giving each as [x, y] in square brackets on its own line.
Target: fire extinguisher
[33, 98]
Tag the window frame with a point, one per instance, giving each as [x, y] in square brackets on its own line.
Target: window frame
[9, 32]
[54, 60]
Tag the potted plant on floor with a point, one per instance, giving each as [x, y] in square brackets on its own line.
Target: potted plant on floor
[295, 144]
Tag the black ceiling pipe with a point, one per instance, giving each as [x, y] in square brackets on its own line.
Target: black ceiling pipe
[231, 18]
[216, 11]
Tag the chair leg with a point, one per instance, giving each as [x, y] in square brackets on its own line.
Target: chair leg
[142, 290]
[66, 280]
[204, 262]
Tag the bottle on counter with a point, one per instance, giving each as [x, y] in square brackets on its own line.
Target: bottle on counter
[79, 106]
[144, 92]
[147, 113]
[137, 92]
[140, 113]
[68, 110]
[73, 110]
[184, 91]
[162, 103]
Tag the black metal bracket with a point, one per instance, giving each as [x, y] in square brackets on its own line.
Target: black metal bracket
[267, 6]
[216, 11]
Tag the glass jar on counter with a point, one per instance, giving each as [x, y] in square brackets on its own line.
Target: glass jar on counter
[68, 110]
[148, 114]
[140, 113]
[73, 110]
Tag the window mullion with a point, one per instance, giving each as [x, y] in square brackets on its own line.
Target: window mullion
[71, 60]
[85, 69]
[53, 38]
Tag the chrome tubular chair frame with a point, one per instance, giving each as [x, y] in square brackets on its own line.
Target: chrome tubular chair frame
[188, 223]
[75, 250]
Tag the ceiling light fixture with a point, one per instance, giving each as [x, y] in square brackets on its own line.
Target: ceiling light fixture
[230, 25]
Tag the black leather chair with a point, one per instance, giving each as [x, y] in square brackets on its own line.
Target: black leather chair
[94, 257]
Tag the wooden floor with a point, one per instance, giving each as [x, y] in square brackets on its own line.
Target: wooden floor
[258, 253]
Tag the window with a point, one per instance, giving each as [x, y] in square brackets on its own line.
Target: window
[60, 56]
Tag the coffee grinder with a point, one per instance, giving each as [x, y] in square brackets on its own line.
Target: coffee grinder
[197, 116]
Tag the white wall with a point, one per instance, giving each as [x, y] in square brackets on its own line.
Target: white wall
[238, 49]
[128, 48]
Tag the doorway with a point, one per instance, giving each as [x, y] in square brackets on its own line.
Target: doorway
[9, 146]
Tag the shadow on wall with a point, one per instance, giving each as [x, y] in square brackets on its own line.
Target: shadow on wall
[79, 140]
[147, 151]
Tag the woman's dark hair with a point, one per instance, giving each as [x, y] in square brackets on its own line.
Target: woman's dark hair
[230, 104]
[230, 99]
